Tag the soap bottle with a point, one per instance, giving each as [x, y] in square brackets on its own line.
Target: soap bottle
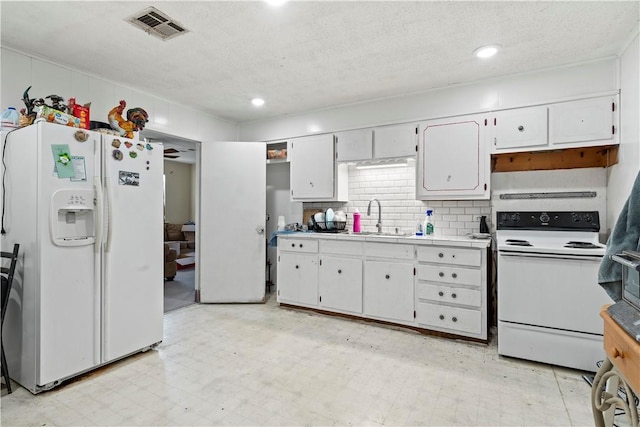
[483, 225]
[9, 119]
[428, 223]
[356, 221]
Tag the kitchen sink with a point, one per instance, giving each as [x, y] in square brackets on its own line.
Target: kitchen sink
[376, 234]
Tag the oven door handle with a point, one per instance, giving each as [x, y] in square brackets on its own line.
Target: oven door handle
[619, 258]
[552, 256]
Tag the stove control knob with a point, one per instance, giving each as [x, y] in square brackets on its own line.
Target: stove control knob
[575, 217]
[515, 217]
[588, 218]
[544, 217]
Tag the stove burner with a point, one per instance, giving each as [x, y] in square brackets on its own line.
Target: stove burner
[581, 245]
[517, 242]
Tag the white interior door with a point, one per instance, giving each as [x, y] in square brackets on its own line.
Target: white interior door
[232, 221]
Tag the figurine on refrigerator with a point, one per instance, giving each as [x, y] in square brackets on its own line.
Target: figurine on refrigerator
[136, 120]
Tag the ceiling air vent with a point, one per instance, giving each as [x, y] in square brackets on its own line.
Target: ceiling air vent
[156, 23]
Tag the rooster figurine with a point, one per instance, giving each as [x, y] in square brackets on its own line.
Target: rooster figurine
[136, 120]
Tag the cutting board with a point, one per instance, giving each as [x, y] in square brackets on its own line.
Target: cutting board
[308, 213]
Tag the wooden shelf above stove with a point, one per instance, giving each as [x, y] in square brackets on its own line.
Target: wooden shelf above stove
[569, 158]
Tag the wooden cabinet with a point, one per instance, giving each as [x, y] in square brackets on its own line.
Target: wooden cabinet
[451, 291]
[298, 271]
[453, 159]
[585, 122]
[395, 141]
[354, 145]
[315, 176]
[520, 128]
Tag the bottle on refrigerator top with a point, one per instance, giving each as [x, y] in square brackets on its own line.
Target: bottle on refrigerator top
[428, 223]
[356, 221]
[10, 118]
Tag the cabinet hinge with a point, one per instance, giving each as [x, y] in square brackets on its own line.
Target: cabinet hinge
[414, 314]
[320, 262]
[320, 298]
[416, 130]
[416, 148]
[613, 106]
[485, 186]
[292, 192]
[278, 258]
[495, 121]
[336, 154]
[414, 271]
[278, 292]
[485, 122]
[613, 130]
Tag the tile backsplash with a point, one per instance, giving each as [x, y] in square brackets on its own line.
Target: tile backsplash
[395, 189]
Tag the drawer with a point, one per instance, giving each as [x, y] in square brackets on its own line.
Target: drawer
[453, 318]
[448, 294]
[341, 247]
[445, 274]
[309, 246]
[450, 255]
[622, 350]
[389, 250]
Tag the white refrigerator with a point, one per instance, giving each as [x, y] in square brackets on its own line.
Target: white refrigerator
[87, 211]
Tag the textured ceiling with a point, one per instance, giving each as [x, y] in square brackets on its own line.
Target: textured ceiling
[309, 55]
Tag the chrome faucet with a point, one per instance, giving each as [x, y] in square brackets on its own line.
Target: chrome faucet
[379, 224]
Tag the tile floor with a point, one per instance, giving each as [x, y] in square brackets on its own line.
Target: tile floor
[256, 365]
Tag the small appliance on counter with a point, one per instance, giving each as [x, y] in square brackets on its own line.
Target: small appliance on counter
[626, 312]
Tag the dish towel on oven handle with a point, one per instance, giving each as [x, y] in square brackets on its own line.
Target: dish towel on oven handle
[625, 236]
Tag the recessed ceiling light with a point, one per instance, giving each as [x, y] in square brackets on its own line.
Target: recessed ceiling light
[486, 51]
[258, 102]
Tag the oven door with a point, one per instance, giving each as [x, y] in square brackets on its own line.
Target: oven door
[553, 291]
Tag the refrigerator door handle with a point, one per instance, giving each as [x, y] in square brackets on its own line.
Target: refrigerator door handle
[108, 214]
[99, 213]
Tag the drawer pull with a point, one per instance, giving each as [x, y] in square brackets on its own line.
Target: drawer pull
[441, 293]
[387, 276]
[454, 296]
[440, 255]
[441, 317]
[455, 319]
[615, 353]
[454, 275]
[339, 271]
[441, 274]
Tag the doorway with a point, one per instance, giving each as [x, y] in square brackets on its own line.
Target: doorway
[181, 201]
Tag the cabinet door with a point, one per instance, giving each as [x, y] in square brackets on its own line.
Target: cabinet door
[298, 278]
[587, 120]
[395, 141]
[354, 145]
[340, 283]
[388, 290]
[312, 167]
[520, 128]
[453, 160]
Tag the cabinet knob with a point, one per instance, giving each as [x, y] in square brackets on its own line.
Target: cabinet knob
[297, 266]
[293, 245]
[441, 293]
[441, 274]
[339, 271]
[615, 353]
[386, 276]
[521, 128]
[454, 275]
[441, 317]
[455, 319]
[440, 255]
[454, 296]
[300, 244]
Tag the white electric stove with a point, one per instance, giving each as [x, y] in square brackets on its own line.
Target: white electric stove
[549, 299]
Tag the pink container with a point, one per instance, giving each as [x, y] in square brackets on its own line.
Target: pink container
[356, 221]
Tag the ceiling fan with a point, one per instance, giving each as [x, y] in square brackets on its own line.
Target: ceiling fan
[171, 153]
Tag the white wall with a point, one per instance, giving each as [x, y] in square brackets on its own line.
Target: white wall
[508, 92]
[622, 175]
[18, 71]
[179, 203]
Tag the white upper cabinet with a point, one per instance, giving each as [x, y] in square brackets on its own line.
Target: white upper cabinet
[354, 145]
[315, 176]
[395, 141]
[520, 128]
[583, 122]
[453, 159]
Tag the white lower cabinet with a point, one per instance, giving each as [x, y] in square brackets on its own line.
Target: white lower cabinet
[388, 290]
[340, 284]
[435, 287]
[298, 272]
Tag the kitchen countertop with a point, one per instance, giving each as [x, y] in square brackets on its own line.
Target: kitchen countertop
[465, 241]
